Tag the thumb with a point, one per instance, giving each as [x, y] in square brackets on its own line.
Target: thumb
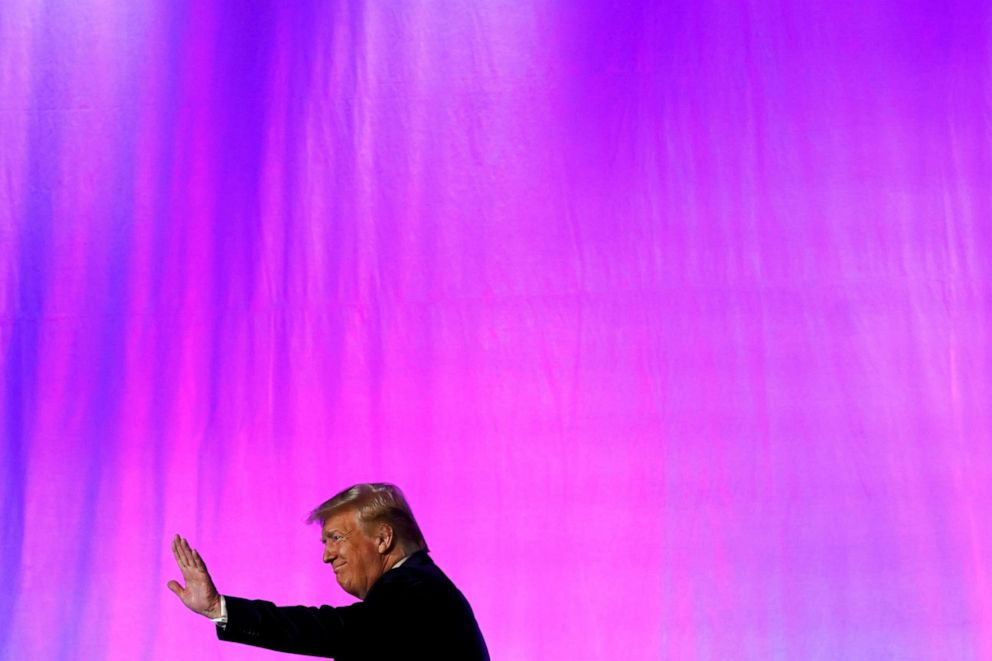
[175, 587]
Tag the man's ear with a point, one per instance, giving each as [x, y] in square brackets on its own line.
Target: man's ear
[384, 538]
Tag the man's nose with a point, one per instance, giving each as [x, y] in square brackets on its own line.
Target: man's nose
[329, 553]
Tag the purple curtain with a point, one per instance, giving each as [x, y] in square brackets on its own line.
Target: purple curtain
[672, 319]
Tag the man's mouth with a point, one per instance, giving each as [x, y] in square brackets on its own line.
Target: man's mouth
[337, 567]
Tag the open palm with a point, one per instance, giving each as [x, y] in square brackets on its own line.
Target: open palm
[199, 594]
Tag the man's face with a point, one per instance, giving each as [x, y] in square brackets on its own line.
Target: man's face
[353, 554]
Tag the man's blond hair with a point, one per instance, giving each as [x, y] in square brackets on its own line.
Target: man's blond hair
[375, 502]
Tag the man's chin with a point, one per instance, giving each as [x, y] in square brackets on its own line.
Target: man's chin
[353, 592]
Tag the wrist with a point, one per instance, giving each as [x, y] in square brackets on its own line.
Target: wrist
[214, 611]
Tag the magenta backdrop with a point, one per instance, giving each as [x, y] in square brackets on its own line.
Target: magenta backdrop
[672, 319]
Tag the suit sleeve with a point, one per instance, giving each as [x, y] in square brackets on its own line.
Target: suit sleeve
[317, 631]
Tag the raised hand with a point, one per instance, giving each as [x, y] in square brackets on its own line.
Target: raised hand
[199, 594]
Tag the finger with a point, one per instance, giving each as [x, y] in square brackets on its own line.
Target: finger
[175, 551]
[199, 563]
[191, 556]
[176, 588]
[186, 551]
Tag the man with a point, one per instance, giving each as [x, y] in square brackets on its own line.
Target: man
[408, 610]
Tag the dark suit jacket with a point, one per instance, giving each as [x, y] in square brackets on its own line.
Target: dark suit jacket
[412, 612]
